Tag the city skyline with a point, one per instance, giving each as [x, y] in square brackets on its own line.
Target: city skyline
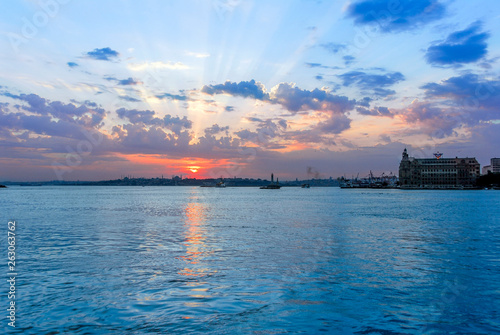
[93, 91]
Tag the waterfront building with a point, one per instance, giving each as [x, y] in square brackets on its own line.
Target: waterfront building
[437, 172]
[493, 167]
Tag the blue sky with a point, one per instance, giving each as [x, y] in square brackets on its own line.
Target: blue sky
[95, 90]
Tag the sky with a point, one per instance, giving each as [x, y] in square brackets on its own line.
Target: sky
[95, 90]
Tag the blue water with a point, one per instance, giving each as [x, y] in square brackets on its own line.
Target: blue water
[167, 260]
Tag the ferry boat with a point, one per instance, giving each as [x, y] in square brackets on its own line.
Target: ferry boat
[273, 185]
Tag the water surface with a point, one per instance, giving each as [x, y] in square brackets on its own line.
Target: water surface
[141, 260]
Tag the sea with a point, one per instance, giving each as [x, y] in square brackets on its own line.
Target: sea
[191, 260]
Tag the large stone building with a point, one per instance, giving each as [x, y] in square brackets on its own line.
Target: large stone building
[493, 167]
[437, 172]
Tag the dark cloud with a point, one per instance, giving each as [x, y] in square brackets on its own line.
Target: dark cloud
[216, 129]
[464, 102]
[390, 16]
[128, 98]
[136, 138]
[288, 95]
[318, 77]
[106, 54]
[253, 119]
[265, 134]
[321, 66]
[247, 89]
[370, 81]
[313, 65]
[124, 82]
[333, 47]
[348, 60]
[129, 81]
[427, 118]
[149, 118]
[365, 102]
[468, 91]
[334, 125]
[176, 124]
[136, 116]
[72, 64]
[40, 124]
[385, 138]
[465, 46]
[229, 108]
[295, 99]
[86, 113]
[172, 96]
[383, 92]
[376, 111]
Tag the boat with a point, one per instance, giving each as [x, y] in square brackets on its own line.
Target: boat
[3, 186]
[305, 186]
[220, 184]
[273, 185]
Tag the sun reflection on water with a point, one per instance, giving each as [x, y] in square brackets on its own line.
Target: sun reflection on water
[197, 248]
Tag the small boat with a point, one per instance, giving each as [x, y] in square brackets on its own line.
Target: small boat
[273, 185]
[219, 184]
[3, 186]
[305, 186]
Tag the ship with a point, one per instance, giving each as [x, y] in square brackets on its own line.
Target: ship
[273, 185]
[220, 184]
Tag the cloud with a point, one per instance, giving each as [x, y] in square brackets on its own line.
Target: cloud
[128, 98]
[461, 47]
[374, 82]
[87, 113]
[246, 89]
[334, 125]
[376, 111]
[333, 47]
[172, 96]
[125, 82]
[129, 81]
[430, 119]
[385, 138]
[468, 91]
[253, 119]
[370, 81]
[136, 138]
[149, 118]
[348, 60]
[468, 102]
[318, 77]
[216, 129]
[146, 66]
[319, 65]
[106, 54]
[72, 64]
[365, 102]
[391, 16]
[295, 99]
[267, 131]
[229, 108]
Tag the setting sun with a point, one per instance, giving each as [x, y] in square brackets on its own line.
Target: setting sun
[193, 169]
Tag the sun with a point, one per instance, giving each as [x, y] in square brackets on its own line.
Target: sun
[193, 169]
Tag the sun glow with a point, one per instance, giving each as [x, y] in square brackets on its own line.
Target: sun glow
[193, 169]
